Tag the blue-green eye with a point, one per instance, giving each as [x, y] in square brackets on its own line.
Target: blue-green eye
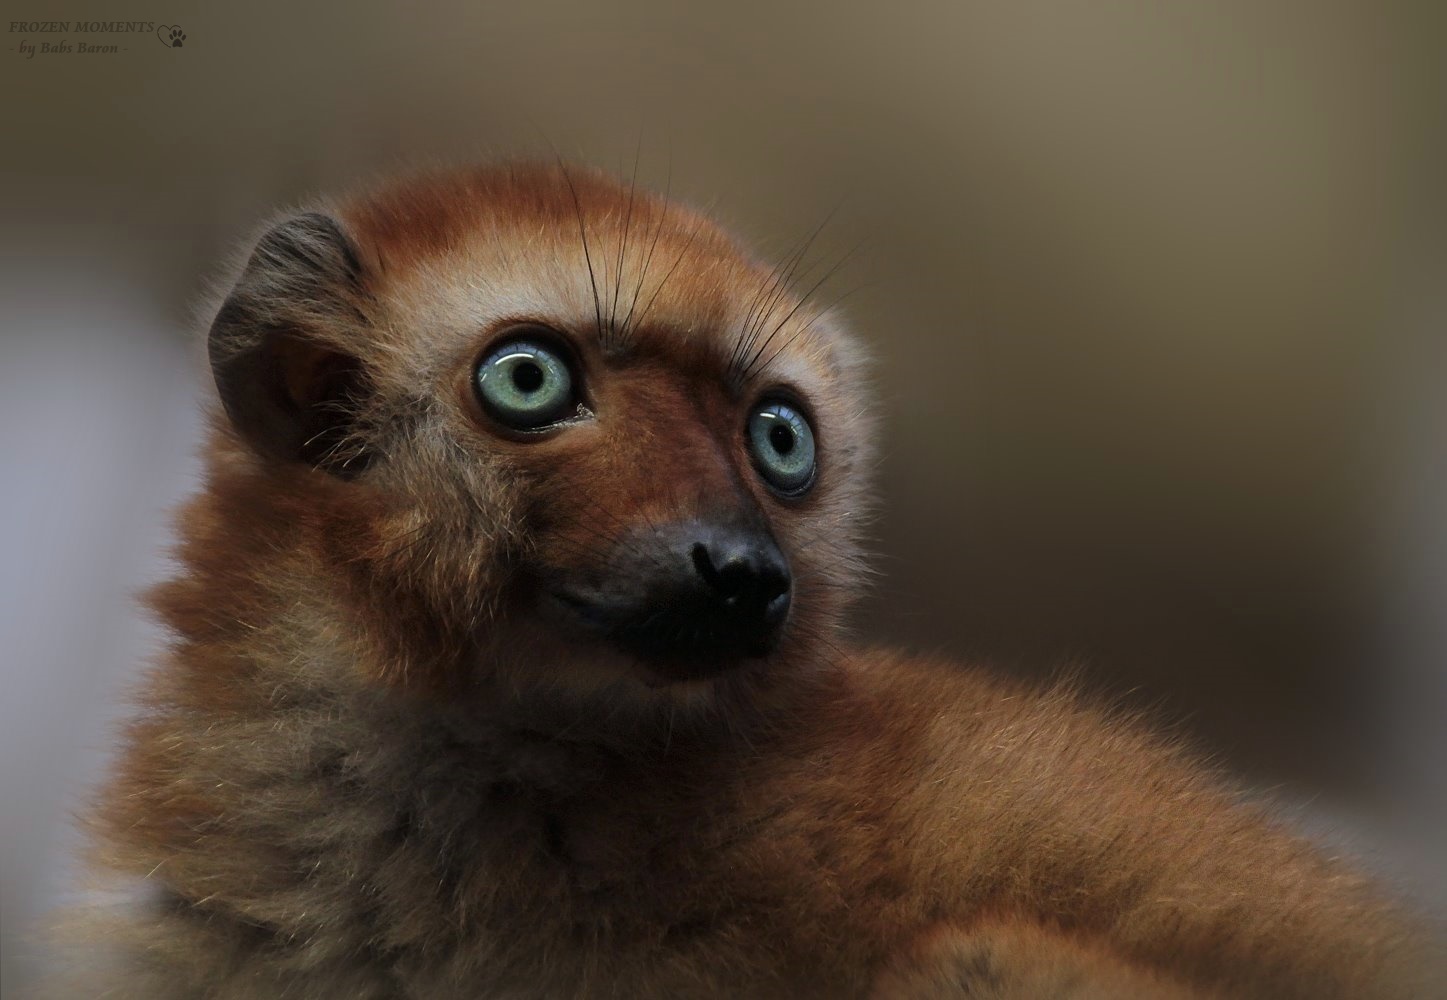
[783, 445]
[526, 386]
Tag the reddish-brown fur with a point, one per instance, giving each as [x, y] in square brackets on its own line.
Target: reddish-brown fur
[371, 766]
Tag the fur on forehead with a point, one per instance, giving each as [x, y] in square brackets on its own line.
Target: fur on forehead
[452, 253]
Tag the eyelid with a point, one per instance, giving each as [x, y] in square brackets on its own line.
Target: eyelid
[790, 397]
[539, 335]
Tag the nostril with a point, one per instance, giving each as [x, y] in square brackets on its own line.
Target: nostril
[773, 583]
[736, 578]
[703, 564]
[741, 579]
[726, 580]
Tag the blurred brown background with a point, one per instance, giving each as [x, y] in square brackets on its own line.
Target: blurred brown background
[1157, 293]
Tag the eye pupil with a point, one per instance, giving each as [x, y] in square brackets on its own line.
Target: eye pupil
[527, 376]
[781, 436]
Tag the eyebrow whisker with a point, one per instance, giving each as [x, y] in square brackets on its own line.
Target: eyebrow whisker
[652, 246]
[682, 252]
[623, 243]
[822, 312]
[776, 287]
[583, 235]
[751, 367]
[765, 299]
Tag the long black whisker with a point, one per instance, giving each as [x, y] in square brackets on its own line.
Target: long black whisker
[653, 245]
[583, 235]
[682, 252]
[749, 368]
[777, 288]
[822, 312]
[761, 306]
[623, 243]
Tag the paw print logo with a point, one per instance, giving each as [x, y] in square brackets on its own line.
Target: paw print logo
[171, 35]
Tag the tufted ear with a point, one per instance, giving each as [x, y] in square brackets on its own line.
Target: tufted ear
[276, 346]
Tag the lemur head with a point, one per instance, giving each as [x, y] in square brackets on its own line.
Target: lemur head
[538, 424]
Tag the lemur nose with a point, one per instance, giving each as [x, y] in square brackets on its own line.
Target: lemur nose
[697, 597]
[746, 575]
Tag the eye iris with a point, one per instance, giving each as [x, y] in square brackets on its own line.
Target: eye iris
[783, 447]
[525, 385]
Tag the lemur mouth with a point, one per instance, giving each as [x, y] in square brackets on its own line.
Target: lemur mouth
[689, 599]
[678, 639]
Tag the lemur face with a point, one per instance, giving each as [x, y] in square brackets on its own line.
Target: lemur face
[567, 424]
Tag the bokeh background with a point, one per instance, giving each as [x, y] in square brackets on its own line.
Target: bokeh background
[1157, 294]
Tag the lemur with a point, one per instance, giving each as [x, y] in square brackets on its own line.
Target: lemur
[511, 659]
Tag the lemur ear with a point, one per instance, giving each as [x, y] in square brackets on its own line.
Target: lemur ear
[276, 346]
